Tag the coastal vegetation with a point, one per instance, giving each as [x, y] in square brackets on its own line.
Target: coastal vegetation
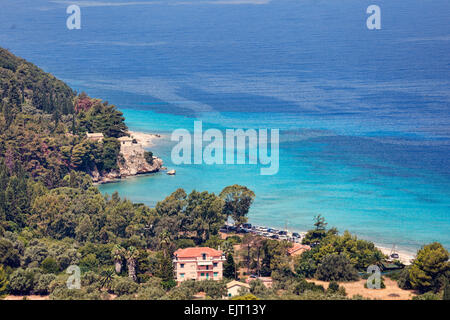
[43, 125]
[52, 216]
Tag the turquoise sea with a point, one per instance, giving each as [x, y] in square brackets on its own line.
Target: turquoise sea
[363, 114]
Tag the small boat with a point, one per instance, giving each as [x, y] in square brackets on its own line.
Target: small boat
[171, 172]
[393, 255]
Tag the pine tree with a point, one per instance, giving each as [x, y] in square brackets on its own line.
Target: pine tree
[3, 281]
[229, 268]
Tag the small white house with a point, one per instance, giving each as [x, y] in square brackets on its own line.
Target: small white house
[96, 136]
[236, 288]
[127, 141]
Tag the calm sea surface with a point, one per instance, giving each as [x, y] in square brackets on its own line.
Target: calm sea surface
[363, 115]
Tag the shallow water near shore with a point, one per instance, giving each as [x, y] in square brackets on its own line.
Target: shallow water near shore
[363, 115]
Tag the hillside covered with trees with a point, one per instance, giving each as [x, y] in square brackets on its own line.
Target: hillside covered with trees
[52, 216]
[43, 125]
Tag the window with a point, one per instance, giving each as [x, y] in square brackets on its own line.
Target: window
[215, 264]
[207, 267]
[204, 256]
[182, 265]
[181, 275]
[216, 274]
[202, 274]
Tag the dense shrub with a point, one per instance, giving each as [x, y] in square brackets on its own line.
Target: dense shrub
[427, 296]
[336, 268]
[89, 262]
[9, 256]
[42, 285]
[123, 286]
[302, 286]
[49, 265]
[21, 281]
[184, 243]
[430, 269]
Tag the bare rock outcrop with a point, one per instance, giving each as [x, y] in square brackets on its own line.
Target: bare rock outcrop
[131, 162]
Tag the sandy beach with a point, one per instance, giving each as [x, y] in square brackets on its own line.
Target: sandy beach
[145, 139]
[404, 256]
[148, 140]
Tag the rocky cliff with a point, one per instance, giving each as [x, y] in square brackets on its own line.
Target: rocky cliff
[131, 162]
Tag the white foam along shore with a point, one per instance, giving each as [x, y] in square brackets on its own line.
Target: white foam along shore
[148, 140]
[145, 139]
[405, 256]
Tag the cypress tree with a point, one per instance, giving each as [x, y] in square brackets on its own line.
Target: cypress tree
[229, 268]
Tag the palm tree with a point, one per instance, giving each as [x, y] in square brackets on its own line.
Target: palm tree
[377, 258]
[227, 248]
[164, 241]
[118, 253]
[107, 278]
[131, 255]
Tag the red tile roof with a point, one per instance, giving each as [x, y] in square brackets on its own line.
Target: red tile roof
[298, 247]
[197, 252]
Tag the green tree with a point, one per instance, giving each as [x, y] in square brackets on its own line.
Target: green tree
[9, 256]
[336, 268]
[111, 151]
[42, 283]
[227, 247]
[247, 296]
[89, 262]
[229, 267]
[21, 281]
[148, 156]
[313, 237]
[107, 278]
[237, 202]
[165, 269]
[124, 285]
[333, 287]
[118, 253]
[205, 214]
[3, 281]
[430, 268]
[49, 265]
[131, 254]
[305, 265]
[446, 293]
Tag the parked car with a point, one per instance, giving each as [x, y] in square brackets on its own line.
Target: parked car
[274, 236]
[282, 233]
[295, 234]
[247, 225]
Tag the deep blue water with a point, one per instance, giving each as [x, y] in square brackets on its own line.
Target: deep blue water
[363, 115]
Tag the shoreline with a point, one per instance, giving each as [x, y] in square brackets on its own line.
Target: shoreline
[148, 140]
[145, 139]
[405, 255]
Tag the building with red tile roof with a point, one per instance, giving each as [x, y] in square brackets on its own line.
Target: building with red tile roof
[198, 263]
